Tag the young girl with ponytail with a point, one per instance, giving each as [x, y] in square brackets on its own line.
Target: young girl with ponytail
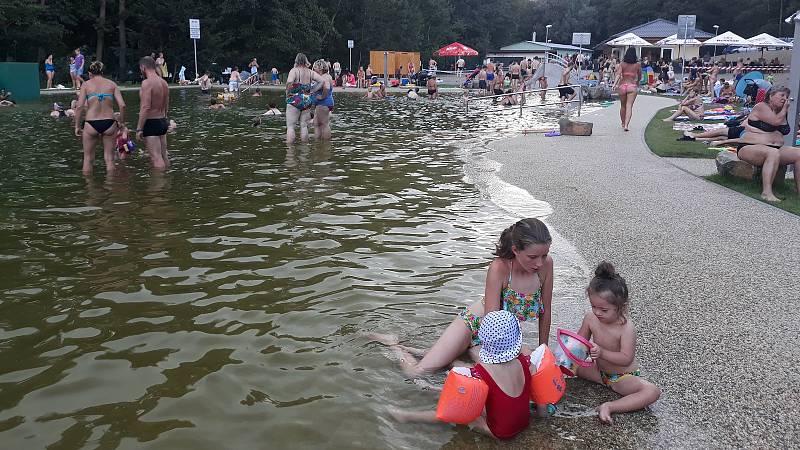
[613, 345]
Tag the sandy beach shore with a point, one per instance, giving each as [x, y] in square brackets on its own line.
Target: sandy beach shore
[714, 289]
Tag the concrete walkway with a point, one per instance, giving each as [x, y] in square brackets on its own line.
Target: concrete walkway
[714, 278]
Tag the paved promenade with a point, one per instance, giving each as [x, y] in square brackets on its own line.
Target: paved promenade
[714, 278]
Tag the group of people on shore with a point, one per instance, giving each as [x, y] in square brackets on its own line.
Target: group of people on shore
[519, 288]
[758, 136]
[77, 66]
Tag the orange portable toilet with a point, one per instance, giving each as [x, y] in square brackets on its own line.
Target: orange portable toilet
[462, 399]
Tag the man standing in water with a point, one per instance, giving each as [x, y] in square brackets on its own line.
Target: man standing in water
[153, 123]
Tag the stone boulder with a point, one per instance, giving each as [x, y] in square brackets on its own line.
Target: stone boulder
[729, 165]
[573, 128]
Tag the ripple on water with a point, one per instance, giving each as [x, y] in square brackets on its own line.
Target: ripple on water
[219, 304]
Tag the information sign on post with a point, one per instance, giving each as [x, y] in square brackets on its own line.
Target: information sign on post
[350, 44]
[194, 35]
[581, 39]
[686, 30]
[686, 26]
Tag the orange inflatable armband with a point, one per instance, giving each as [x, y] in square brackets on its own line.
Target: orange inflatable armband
[547, 384]
[462, 399]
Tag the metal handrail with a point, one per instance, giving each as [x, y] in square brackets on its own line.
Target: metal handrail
[522, 105]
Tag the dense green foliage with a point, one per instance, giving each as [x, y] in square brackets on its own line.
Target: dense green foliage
[233, 31]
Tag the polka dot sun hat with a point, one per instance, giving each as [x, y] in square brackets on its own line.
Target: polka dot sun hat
[501, 336]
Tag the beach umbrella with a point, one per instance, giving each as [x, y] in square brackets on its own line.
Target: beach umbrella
[673, 40]
[456, 49]
[728, 38]
[767, 40]
[628, 40]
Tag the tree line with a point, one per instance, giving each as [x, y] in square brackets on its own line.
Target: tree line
[118, 32]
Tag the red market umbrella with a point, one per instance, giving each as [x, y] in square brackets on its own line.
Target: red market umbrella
[456, 49]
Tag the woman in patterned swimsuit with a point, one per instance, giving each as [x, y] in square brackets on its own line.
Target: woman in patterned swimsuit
[522, 256]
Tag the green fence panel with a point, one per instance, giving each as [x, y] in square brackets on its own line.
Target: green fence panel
[22, 79]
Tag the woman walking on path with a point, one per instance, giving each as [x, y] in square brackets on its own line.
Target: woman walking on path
[323, 102]
[627, 81]
[97, 97]
[49, 71]
[763, 141]
[298, 97]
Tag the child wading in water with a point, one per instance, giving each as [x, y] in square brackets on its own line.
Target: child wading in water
[504, 370]
[614, 345]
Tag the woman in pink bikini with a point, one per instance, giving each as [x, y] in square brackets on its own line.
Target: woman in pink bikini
[628, 75]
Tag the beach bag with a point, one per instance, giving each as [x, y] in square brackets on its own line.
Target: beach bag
[751, 89]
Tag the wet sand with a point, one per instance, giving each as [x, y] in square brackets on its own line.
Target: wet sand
[714, 290]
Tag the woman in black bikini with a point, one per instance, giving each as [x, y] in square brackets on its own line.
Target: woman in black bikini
[763, 142]
[97, 97]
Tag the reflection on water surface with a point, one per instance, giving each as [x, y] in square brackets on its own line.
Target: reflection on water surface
[218, 305]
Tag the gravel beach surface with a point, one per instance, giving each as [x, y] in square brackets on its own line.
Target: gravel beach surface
[715, 290]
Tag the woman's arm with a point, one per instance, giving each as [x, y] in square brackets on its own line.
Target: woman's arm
[120, 104]
[495, 277]
[79, 109]
[764, 113]
[547, 301]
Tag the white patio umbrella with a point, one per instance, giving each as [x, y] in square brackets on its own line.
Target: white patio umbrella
[628, 40]
[673, 40]
[728, 38]
[767, 40]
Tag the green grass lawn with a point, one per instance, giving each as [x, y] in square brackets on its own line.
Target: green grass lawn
[791, 201]
[660, 137]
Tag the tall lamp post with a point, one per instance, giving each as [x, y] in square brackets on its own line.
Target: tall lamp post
[716, 30]
[546, 35]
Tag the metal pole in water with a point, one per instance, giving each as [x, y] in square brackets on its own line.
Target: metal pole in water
[386, 69]
[196, 74]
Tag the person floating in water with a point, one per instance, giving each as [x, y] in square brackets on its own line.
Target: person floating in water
[153, 122]
[613, 345]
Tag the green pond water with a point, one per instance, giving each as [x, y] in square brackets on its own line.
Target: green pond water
[219, 304]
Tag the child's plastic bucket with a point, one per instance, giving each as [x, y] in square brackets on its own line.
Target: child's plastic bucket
[462, 399]
[547, 383]
[572, 351]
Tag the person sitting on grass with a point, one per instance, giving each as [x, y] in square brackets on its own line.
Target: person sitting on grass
[726, 94]
[691, 106]
[763, 143]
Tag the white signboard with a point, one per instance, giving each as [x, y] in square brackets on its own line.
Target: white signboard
[686, 26]
[581, 38]
[194, 28]
[350, 43]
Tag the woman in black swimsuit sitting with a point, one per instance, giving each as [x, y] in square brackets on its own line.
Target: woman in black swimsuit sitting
[763, 142]
[96, 98]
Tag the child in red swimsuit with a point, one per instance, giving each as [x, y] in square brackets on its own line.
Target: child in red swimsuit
[505, 371]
